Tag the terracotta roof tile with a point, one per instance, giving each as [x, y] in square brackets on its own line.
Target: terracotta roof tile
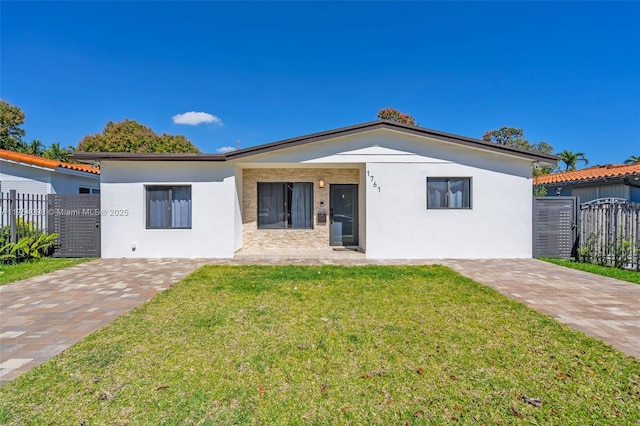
[589, 174]
[45, 162]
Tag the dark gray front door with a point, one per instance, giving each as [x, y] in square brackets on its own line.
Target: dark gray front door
[343, 215]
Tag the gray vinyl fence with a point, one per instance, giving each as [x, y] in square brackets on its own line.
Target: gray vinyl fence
[21, 214]
[555, 227]
[75, 218]
[610, 232]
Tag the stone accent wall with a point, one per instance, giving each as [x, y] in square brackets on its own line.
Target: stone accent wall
[304, 239]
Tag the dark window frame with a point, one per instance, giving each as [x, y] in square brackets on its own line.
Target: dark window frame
[448, 180]
[170, 188]
[287, 202]
[88, 190]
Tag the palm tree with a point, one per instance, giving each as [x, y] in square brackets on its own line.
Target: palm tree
[633, 159]
[571, 159]
[35, 147]
[56, 152]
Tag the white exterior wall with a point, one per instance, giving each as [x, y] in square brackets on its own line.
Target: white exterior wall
[395, 222]
[399, 225]
[28, 179]
[213, 195]
[24, 179]
[64, 182]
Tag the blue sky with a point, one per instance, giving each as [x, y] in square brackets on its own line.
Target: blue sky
[567, 73]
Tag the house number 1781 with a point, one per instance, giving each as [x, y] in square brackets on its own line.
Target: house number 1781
[372, 180]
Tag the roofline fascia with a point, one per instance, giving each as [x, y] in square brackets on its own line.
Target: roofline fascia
[79, 173]
[317, 137]
[35, 166]
[391, 125]
[90, 157]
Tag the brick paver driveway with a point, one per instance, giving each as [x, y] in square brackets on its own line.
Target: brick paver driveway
[42, 316]
[602, 307]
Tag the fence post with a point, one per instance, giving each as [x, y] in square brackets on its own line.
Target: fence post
[12, 215]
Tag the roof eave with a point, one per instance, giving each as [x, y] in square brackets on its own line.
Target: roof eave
[392, 125]
[89, 157]
[317, 137]
[591, 180]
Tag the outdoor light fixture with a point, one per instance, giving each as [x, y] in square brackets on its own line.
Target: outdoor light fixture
[321, 183]
[558, 191]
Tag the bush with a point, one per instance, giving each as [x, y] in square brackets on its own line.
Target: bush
[32, 243]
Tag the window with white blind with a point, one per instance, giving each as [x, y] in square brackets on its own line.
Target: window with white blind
[448, 193]
[168, 207]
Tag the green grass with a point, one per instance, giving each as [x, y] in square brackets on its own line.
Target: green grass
[605, 271]
[21, 271]
[329, 345]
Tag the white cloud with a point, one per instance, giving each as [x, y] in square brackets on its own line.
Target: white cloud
[225, 149]
[193, 118]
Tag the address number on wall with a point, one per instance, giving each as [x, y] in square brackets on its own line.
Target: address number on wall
[372, 181]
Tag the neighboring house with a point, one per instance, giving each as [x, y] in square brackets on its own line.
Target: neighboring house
[390, 190]
[611, 180]
[30, 174]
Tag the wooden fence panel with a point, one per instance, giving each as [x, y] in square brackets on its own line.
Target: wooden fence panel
[609, 232]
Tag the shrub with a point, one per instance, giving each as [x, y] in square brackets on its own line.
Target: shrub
[32, 243]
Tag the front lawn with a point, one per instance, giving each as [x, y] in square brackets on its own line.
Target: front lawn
[20, 271]
[605, 271]
[330, 345]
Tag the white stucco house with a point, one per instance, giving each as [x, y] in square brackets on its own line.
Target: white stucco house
[388, 190]
[30, 174]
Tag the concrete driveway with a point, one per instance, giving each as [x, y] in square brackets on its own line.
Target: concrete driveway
[42, 316]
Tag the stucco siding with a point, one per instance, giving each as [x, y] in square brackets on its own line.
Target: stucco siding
[212, 193]
[388, 147]
[399, 225]
[391, 170]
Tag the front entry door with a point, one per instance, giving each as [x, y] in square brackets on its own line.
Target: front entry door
[343, 215]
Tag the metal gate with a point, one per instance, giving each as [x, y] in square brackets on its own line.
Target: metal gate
[77, 219]
[555, 227]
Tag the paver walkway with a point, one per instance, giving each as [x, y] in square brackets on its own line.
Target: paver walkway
[42, 316]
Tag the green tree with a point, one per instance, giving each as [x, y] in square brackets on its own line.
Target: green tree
[11, 132]
[35, 147]
[505, 135]
[513, 136]
[393, 114]
[571, 159]
[56, 152]
[633, 159]
[131, 136]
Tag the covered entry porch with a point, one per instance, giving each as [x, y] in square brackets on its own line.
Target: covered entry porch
[310, 211]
